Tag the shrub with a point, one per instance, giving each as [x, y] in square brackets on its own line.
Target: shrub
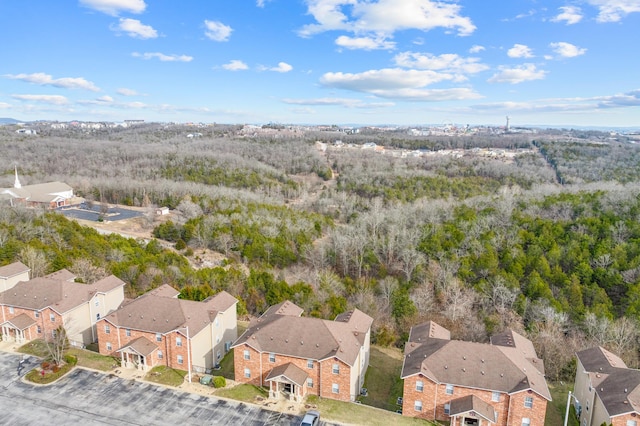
[71, 359]
[55, 368]
[45, 365]
[219, 382]
[180, 244]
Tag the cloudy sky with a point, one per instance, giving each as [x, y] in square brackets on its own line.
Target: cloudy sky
[406, 62]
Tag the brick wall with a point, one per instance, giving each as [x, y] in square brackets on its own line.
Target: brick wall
[510, 408]
[622, 420]
[321, 373]
[168, 345]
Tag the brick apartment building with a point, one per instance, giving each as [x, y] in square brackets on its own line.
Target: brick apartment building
[34, 309]
[500, 383]
[606, 391]
[157, 328]
[297, 356]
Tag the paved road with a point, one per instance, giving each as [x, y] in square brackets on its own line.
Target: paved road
[84, 397]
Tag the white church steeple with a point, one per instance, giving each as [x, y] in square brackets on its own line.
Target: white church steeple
[17, 184]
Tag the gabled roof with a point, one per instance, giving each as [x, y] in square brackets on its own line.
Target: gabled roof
[470, 403]
[40, 192]
[160, 314]
[61, 296]
[141, 346]
[291, 372]
[13, 269]
[617, 386]
[280, 331]
[21, 322]
[61, 275]
[474, 365]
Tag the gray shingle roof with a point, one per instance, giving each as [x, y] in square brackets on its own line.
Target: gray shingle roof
[617, 386]
[469, 403]
[13, 269]
[279, 331]
[21, 322]
[295, 374]
[475, 365]
[160, 314]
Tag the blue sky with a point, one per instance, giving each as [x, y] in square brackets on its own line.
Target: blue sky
[405, 62]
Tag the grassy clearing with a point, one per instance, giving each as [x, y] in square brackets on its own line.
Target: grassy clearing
[383, 381]
[358, 414]
[94, 360]
[556, 409]
[35, 347]
[246, 393]
[166, 376]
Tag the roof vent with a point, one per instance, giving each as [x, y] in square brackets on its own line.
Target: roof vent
[317, 345]
[301, 342]
[464, 370]
[286, 340]
[482, 372]
[446, 367]
[482, 361]
[625, 390]
[501, 374]
[464, 357]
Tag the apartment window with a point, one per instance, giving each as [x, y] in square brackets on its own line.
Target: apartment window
[495, 396]
[217, 339]
[10, 309]
[178, 341]
[159, 354]
[247, 355]
[447, 408]
[158, 337]
[309, 363]
[247, 373]
[419, 386]
[526, 421]
[108, 346]
[54, 333]
[632, 423]
[449, 389]
[272, 357]
[37, 314]
[180, 360]
[217, 322]
[98, 317]
[335, 369]
[39, 330]
[528, 402]
[107, 329]
[309, 382]
[417, 405]
[52, 317]
[335, 388]
[128, 332]
[97, 303]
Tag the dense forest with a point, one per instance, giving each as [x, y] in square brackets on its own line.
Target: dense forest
[546, 241]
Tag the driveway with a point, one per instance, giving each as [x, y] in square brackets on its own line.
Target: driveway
[90, 398]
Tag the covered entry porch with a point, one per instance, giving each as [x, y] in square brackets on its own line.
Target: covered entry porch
[137, 354]
[18, 329]
[287, 380]
[471, 411]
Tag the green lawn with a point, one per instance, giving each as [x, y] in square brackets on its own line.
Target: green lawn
[359, 414]
[382, 381]
[246, 393]
[556, 409]
[35, 347]
[166, 376]
[94, 360]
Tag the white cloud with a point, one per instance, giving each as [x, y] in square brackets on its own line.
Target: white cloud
[47, 99]
[4, 105]
[567, 50]
[346, 102]
[261, 3]
[43, 79]
[526, 72]
[569, 14]
[520, 51]
[282, 67]
[136, 29]
[126, 92]
[217, 31]
[614, 10]
[235, 65]
[102, 100]
[384, 17]
[476, 48]
[396, 83]
[163, 57]
[448, 62]
[364, 43]
[114, 7]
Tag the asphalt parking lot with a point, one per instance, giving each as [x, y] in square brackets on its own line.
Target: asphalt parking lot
[94, 213]
[89, 398]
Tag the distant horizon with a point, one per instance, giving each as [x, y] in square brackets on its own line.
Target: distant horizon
[541, 62]
[346, 125]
